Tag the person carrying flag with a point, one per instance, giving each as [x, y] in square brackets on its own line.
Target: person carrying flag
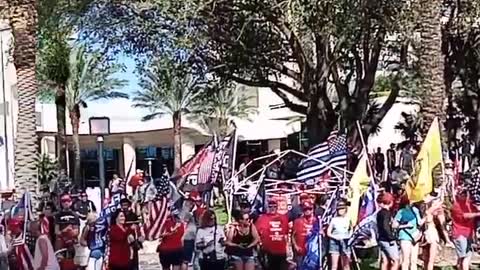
[386, 238]
[302, 227]
[19, 257]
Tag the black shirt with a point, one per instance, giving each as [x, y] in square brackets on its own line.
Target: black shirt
[66, 217]
[83, 208]
[384, 223]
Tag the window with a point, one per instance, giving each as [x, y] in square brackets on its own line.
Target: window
[38, 119]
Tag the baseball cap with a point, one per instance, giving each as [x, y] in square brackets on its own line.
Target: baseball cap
[194, 196]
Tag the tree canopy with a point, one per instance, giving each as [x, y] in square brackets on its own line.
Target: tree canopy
[298, 49]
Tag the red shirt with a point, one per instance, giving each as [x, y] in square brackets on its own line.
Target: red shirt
[301, 228]
[273, 229]
[198, 212]
[174, 240]
[119, 247]
[462, 226]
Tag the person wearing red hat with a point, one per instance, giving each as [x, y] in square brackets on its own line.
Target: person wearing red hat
[136, 181]
[386, 236]
[20, 254]
[67, 228]
[199, 206]
[302, 227]
[273, 230]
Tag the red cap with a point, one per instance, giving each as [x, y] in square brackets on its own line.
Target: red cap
[386, 198]
[307, 205]
[14, 224]
[195, 196]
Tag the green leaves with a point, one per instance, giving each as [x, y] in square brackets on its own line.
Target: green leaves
[168, 87]
[90, 79]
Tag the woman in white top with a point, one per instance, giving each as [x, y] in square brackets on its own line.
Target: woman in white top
[44, 257]
[339, 232]
[210, 241]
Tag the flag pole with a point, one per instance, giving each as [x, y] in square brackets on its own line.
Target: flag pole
[364, 146]
[234, 158]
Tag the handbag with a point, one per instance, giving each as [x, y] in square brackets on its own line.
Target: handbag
[212, 255]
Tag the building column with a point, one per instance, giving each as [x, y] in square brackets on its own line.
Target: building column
[188, 147]
[129, 159]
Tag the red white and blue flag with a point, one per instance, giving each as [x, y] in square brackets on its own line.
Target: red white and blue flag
[322, 157]
[158, 211]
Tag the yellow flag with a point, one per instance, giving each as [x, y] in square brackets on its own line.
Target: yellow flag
[428, 165]
[358, 185]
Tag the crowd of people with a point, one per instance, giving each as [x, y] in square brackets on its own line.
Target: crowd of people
[65, 233]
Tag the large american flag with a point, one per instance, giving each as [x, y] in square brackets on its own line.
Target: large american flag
[331, 153]
[23, 257]
[367, 226]
[205, 170]
[158, 211]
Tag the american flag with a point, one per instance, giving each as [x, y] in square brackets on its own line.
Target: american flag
[158, 211]
[23, 257]
[205, 170]
[44, 225]
[367, 226]
[332, 152]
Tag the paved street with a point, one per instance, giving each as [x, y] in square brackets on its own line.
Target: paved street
[149, 262]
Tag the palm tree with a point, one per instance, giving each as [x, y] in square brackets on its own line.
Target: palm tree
[52, 73]
[222, 104]
[409, 126]
[89, 80]
[431, 63]
[168, 88]
[22, 16]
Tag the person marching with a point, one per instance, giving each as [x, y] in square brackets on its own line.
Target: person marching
[302, 227]
[242, 238]
[170, 248]
[339, 232]
[67, 225]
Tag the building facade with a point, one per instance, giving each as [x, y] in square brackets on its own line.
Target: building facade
[8, 109]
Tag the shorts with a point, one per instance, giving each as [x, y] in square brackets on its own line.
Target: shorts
[243, 259]
[188, 250]
[390, 249]
[339, 247]
[171, 258]
[463, 246]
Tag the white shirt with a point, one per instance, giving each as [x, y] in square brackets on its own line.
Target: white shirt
[205, 236]
[52, 263]
[340, 227]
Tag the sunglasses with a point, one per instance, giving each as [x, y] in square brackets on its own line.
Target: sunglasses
[307, 209]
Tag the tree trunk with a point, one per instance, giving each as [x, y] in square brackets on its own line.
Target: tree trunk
[320, 114]
[23, 20]
[61, 140]
[431, 64]
[77, 170]
[177, 139]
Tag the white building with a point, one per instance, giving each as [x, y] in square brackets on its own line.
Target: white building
[8, 109]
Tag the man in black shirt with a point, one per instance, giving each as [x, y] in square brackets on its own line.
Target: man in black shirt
[67, 228]
[84, 206]
[379, 162]
[132, 219]
[391, 158]
[386, 237]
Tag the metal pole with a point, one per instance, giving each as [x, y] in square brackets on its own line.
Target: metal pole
[101, 167]
[150, 168]
[5, 125]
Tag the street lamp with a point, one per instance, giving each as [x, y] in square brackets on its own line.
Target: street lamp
[100, 126]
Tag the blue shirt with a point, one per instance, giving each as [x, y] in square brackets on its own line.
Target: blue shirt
[411, 216]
